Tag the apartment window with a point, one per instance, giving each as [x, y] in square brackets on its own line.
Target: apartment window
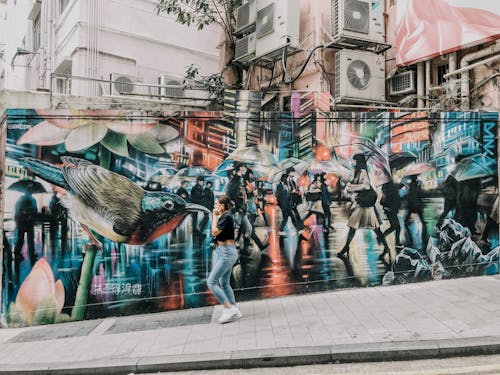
[393, 3]
[36, 32]
[62, 5]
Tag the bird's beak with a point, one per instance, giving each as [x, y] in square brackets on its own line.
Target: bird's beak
[191, 207]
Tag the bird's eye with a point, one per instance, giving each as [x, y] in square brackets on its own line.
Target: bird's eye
[168, 205]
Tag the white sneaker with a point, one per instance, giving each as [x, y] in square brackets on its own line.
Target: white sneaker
[228, 314]
[239, 315]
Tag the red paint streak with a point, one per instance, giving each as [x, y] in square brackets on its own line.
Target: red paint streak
[274, 248]
[173, 294]
[173, 223]
[167, 227]
[211, 300]
[278, 277]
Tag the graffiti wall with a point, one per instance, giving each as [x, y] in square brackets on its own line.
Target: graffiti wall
[109, 213]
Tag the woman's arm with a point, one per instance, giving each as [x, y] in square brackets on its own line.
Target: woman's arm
[364, 182]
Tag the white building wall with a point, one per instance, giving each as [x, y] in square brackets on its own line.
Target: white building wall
[128, 37]
[15, 23]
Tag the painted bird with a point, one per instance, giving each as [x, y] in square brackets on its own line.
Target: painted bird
[111, 204]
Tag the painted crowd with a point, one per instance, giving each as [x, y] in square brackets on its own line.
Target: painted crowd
[362, 204]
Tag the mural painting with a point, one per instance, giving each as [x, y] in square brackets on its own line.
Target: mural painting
[109, 213]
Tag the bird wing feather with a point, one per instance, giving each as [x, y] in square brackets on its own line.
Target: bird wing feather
[113, 196]
[77, 162]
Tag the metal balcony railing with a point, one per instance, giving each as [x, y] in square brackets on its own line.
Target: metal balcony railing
[70, 85]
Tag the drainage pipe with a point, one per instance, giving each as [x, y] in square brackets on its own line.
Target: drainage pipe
[466, 66]
[420, 85]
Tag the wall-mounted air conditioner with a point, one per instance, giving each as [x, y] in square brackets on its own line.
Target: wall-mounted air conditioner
[170, 87]
[277, 25]
[358, 20]
[245, 48]
[122, 84]
[403, 83]
[359, 76]
[245, 16]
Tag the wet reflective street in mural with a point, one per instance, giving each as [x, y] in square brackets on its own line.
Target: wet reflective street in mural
[171, 273]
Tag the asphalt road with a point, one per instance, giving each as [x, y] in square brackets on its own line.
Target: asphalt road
[478, 365]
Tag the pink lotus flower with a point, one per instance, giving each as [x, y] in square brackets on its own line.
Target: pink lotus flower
[37, 288]
[81, 129]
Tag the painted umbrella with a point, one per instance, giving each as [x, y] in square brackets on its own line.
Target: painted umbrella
[418, 168]
[299, 165]
[262, 163]
[376, 159]
[475, 166]
[401, 159]
[328, 166]
[27, 186]
[253, 154]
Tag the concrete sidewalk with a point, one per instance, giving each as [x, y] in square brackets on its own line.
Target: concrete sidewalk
[427, 320]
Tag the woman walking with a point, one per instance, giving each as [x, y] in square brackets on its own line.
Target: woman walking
[219, 279]
[363, 214]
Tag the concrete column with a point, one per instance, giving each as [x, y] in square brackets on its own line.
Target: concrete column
[420, 84]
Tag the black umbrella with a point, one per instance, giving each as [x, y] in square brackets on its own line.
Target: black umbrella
[27, 186]
[401, 159]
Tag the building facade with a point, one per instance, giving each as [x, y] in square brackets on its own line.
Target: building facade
[401, 59]
[98, 48]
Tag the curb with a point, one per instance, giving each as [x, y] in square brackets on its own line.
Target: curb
[279, 357]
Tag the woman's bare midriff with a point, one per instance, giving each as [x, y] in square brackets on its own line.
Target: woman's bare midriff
[225, 243]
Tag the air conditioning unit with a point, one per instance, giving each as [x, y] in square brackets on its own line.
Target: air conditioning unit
[122, 84]
[170, 87]
[403, 83]
[358, 20]
[359, 76]
[245, 48]
[277, 25]
[246, 15]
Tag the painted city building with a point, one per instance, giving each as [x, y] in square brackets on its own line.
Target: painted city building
[94, 225]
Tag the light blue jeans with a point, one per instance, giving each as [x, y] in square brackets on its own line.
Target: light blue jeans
[219, 279]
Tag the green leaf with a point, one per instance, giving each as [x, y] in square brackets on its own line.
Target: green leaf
[15, 317]
[62, 318]
[45, 312]
[104, 157]
[146, 143]
[116, 143]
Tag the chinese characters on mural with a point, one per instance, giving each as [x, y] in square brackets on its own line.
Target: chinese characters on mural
[322, 200]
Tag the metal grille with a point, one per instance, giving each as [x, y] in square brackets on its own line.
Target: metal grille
[265, 21]
[357, 16]
[241, 48]
[172, 91]
[168, 319]
[243, 17]
[359, 75]
[57, 331]
[401, 82]
[335, 17]
[124, 84]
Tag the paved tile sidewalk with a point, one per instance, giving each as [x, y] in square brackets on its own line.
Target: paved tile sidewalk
[461, 309]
